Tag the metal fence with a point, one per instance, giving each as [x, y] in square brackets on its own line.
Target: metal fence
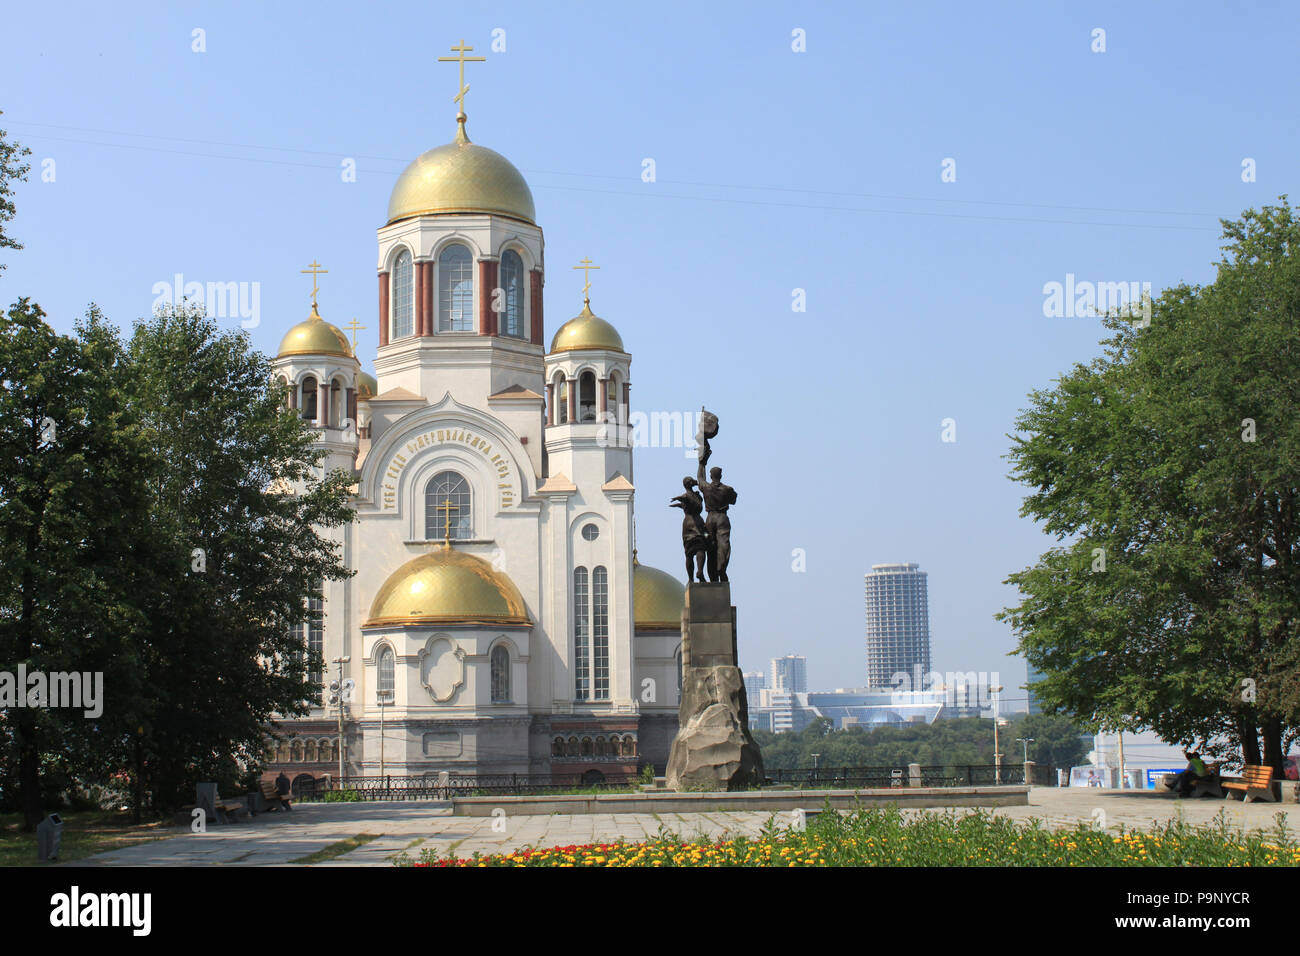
[446, 786]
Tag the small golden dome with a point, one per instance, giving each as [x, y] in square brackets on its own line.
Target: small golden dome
[461, 177]
[658, 599]
[315, 336]
[447, 586]
[586, 331]
[367, 387]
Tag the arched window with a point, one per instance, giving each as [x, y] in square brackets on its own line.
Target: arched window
[295, 751]
[581, 637]
[612, 399]
[387, 677]
[629, 746]
[338, 400]
[500, 666]
[587, 397]
[557, 747]
[282, 753]
[600, 631]
[512, 284]
[455, 290]
[602, 747]
[586, 746]
[310, 392]
[571, 747]
[447, 493]
[326, 750]
[561, 400]
[309, 751]
[403, 296]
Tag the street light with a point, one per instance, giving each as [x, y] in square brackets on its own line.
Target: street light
[384, 697]
[1026, 741]
[997, 756]
[338, 694]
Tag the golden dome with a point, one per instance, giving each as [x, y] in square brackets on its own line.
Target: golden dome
[461, 177]
[586, 331]
[367, 387]
[447, 586]
[658, 599]
[315, 336]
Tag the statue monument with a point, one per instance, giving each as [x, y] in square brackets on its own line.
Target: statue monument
[713, 749]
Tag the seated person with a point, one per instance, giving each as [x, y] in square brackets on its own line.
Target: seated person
[1185, 781]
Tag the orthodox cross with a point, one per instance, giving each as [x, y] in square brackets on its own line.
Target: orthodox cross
[354, 327]
[315, 270]
[586, 268]
[462, 59]
[447, 508]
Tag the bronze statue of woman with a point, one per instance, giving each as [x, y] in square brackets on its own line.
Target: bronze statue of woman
[695, 538]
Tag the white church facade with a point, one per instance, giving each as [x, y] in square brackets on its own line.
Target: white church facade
[497, 621]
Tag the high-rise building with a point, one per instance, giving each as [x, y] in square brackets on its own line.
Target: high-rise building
[755, 681]
[1032, 676]
[898, 623]
[790, 674]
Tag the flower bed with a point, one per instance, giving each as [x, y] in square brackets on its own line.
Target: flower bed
[885, 837]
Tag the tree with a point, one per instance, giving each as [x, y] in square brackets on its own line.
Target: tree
[237, 504]
[1172, 466]
[12, 169]
[69, 503]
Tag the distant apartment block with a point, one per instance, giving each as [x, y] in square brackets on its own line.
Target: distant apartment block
[898, 623]
[790, 674]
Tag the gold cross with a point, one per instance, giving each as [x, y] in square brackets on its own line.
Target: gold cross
[448, 508]
[462, 59]
[586, 277]
[315, 270]
[354, 327]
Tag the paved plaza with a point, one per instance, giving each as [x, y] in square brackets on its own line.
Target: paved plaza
[278, 839]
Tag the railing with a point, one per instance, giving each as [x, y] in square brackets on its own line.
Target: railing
[444, 787]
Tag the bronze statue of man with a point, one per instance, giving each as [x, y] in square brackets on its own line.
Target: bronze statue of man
[717, 498]
[695, 537]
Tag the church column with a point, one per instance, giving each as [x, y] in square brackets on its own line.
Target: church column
[352, 407]
[323, 405]
[573, 400]
[602, 398]
[550, 403]
[427, 299]
[487, 284]
[383, 308]
[627, 401]
[293, 395]
[535, 303]
[420, 286]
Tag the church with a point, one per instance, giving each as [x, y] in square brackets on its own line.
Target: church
[498, 621]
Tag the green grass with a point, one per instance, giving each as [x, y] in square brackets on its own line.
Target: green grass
[85, 833]
[337, 849]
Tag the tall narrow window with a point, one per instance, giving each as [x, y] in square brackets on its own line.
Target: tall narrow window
[403, 296]
[455, 290]
[600, 631]
[500, 675]
[512, 284]
[315, 634]
[387, 674]
[310, 393]
[562, 401]
[587, 397]
[581, 637]
[447, 493]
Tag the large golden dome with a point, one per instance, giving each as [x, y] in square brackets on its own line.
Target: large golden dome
[447, 586]
[461, 177]
[657, 599]
[314, 336]
[586, 331]
[367, 387]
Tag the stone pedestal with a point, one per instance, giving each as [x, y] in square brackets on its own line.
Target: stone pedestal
[713, 749]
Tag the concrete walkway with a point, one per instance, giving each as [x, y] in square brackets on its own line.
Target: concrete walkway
[278, 839]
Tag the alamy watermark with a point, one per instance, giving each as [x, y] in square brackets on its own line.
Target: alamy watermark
[58, 689]
[1073, 299]
[221, 300]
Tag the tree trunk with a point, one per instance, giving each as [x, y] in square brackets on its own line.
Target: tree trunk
[29, 771]
[1273, 756]
[138, 798]
[1249, 740]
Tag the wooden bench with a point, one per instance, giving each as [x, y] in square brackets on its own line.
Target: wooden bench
[271, 796]
[1255, 783]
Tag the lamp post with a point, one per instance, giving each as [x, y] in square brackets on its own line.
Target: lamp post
[340, 661]
[1026, 741]
[997, 756]
[384, 696]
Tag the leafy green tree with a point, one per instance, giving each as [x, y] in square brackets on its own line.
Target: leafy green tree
[12, 169]
[69, 503]
[1170, 470]
[237, 504]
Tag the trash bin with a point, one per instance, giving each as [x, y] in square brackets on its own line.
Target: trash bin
[1062, 778]
[49, 834]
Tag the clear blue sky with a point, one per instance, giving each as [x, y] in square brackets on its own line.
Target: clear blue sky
[776, 170]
